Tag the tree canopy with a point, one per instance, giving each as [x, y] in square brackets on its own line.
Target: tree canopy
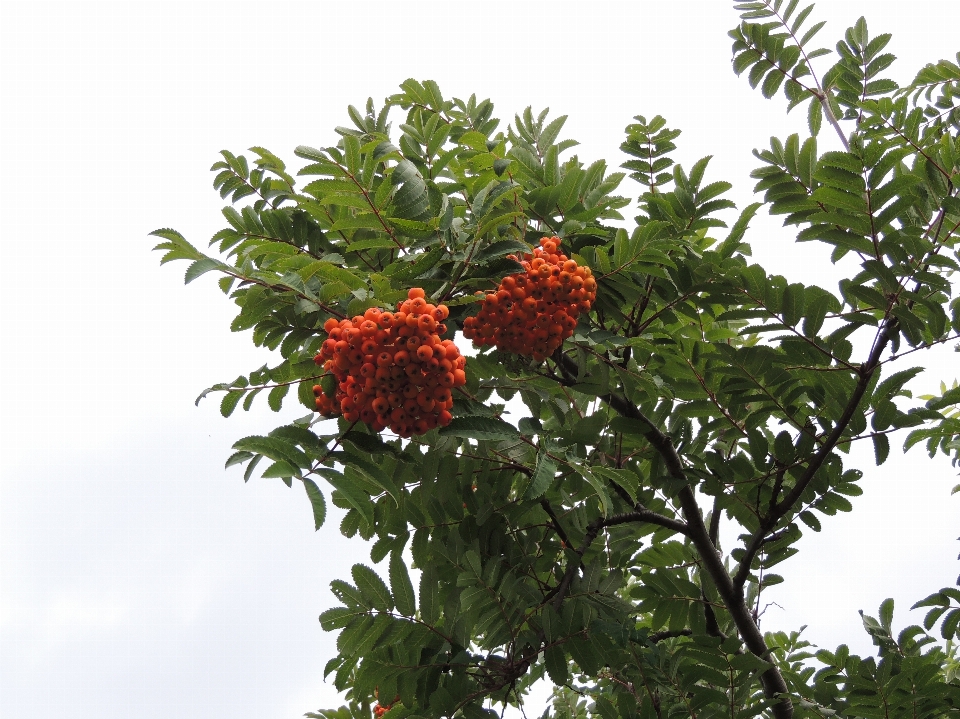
[668, 385]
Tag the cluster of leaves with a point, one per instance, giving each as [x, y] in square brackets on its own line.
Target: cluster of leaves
[581, 544]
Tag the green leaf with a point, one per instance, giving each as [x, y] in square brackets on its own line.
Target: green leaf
[772, 83]
[625, 478]
[200, 267]
[597, 484]
[372, 243]
[274, 448]
[410, 199]
[401, 585]
[351, 147]
[373, 589]
[316, 501]
[543, 476]
[815, 117]
[886, 613]
[276, 395]
[360, 221]
[248, 472]
[479, 428]
[332, 273]
[371, 471]
[881, 448]
[429, 604]
[556, 664]
[355, 496]
[810, 519]
[339, 617]
[550, 132]
[282, 469]
[403, 270]
[229, 402]
[237, 458]
[587, 430]
[626, 425]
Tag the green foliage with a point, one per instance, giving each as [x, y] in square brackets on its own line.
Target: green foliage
[579, 544]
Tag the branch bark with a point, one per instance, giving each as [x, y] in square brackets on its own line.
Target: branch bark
[781, 508]
[593, 529]
[772, 680]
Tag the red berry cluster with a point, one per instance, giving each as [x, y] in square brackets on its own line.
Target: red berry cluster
[533, 313]
[380, 709]
[392, 369]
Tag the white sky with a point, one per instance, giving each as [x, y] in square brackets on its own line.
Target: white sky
[137, 578]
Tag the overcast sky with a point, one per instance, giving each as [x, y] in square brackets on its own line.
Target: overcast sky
[137, 578]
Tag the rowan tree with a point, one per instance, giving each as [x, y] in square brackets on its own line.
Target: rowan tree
[668, 386]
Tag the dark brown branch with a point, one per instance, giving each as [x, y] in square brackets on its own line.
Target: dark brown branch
[593, 529]
[554, 522]
[731, 594]
[715, 523]
[781, 508]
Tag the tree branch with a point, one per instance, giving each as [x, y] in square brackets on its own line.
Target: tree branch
[593, 529]
[732, 595]
[555, 523]
[781, 508]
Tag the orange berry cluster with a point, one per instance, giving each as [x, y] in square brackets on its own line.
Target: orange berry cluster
[533, 313]
[380, 709]
[392, 369]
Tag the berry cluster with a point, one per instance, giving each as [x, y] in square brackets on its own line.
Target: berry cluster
[380, 709]
[392, 369]
[533, 313]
